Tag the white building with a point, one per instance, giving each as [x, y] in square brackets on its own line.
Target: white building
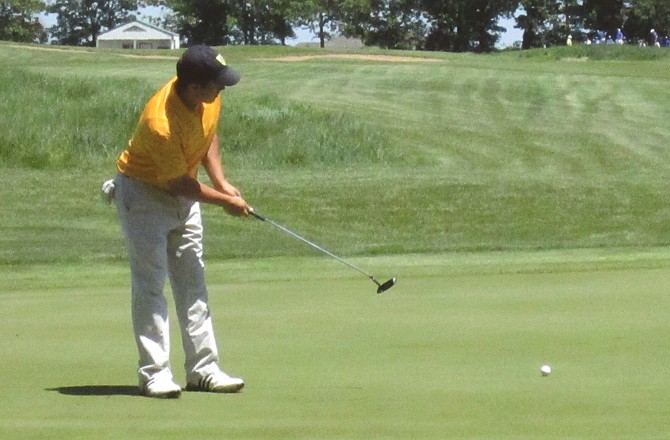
[336, 42]
[138, 35]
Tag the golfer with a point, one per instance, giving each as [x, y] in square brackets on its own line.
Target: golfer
[157, 195]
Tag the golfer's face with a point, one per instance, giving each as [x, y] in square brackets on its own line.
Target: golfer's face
[208, 92]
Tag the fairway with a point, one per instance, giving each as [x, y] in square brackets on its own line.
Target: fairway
[520, 198]
[453, 351]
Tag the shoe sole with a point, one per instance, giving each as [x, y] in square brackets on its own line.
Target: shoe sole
[168, 395]
[227, 389]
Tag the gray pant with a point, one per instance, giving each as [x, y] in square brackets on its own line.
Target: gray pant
[164, 238]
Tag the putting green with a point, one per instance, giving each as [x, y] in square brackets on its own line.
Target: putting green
[452, 351]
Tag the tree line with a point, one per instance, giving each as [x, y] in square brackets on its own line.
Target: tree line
[435, 25]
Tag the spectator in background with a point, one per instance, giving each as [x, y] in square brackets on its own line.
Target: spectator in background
[602, 36]
[569, 40]
[618, 37]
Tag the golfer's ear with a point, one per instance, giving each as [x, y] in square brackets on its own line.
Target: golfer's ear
[195, 87]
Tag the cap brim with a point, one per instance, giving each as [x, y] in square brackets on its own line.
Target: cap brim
[228, 77]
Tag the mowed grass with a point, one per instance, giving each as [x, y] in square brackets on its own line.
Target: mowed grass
[421, 170]
[453, 351]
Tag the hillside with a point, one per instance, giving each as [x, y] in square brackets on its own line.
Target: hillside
[366, 152]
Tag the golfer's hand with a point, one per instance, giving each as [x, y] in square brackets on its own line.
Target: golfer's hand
[230, 190]
[237, 207]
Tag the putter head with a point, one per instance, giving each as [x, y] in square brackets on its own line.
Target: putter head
[386, 285]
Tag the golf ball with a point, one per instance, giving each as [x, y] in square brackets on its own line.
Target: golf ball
[545, 370]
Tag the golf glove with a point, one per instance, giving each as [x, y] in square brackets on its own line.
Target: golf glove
[107, 191]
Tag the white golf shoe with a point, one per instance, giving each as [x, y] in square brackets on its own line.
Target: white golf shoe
[160, 388]
[218, 382]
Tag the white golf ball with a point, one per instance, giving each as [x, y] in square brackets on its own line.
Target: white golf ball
[545, 370]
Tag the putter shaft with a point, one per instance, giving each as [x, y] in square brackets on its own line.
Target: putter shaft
[381, 287]
[314, 245]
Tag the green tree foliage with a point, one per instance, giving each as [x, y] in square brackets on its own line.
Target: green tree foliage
[167, 19]
[463, 25]
[603, 15]
[532, 21]
[264, 21]
[390, 24]
[19, 22]
[205, 21]
[547, 22]
[644, 15]
[441, 25]
[322, 17]
[280, 16]
[551, 21]
[222, 22]
[79, 22]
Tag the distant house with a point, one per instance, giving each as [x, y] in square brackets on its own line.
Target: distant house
[138, 35]
[337, 42]
[342, 42]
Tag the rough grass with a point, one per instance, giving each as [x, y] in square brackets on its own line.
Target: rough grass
[596, 52]
[365, 157]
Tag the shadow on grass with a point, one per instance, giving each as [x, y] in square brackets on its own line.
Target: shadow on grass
[98, 390]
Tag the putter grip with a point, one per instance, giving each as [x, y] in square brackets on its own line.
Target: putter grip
[258, 216]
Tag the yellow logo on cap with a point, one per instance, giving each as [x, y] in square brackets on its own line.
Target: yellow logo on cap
[220, 59]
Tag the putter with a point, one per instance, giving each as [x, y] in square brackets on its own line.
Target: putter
[381, 287]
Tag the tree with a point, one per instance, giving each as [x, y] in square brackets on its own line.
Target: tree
[603, 15]
[167, 19]
[390, 24]
[534, 21]
[643, 15]
[79, 22]
[463, 25]
[19, 22]
[205, 21]
[265, 21]
[547, 22]
[323, 17]
[222, 22]
[279, 18]
[483, 30]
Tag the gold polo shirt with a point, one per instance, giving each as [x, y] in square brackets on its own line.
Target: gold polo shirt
[170, 140]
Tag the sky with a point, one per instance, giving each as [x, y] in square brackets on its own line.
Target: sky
[512, 35]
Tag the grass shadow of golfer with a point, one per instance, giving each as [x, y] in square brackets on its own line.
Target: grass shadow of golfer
[98, 390]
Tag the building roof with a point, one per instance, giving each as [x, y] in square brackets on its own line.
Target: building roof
[137, 30]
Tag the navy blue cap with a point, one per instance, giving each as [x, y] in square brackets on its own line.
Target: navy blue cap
[202, 64]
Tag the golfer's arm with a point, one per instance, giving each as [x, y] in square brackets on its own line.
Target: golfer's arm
[193, 189]
[212, 164]
[190, 188]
